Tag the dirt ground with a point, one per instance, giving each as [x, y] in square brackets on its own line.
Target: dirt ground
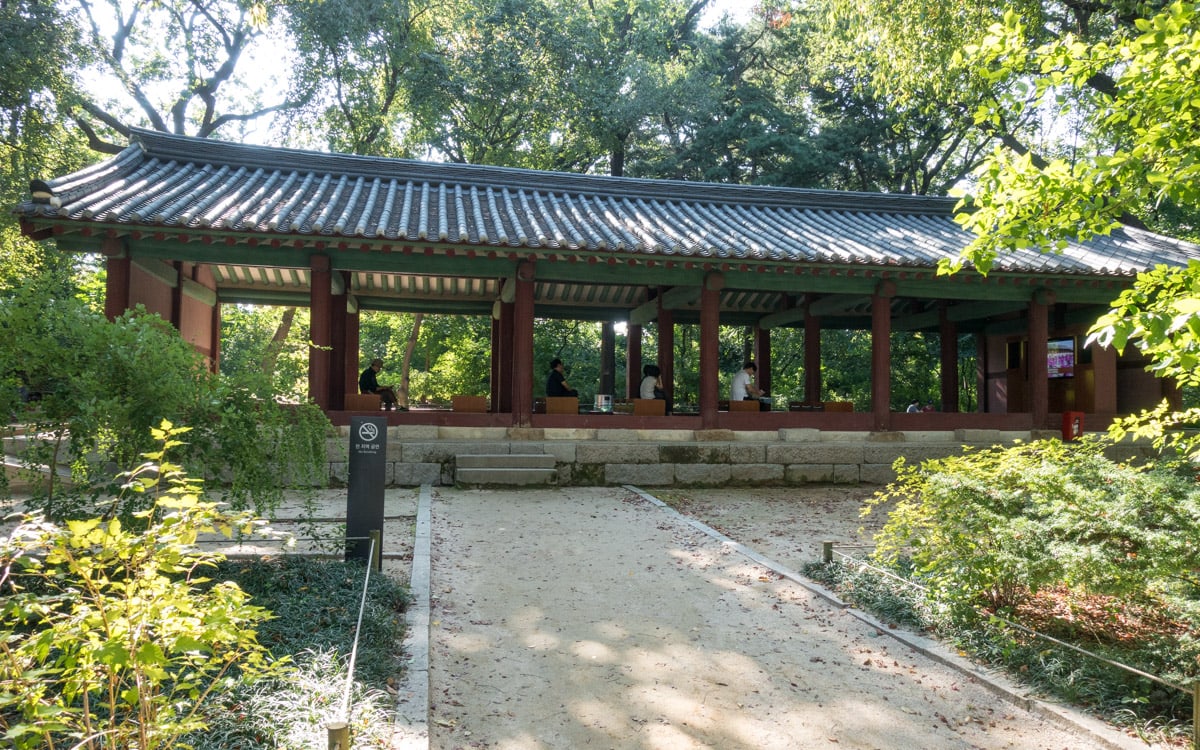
[591, 617]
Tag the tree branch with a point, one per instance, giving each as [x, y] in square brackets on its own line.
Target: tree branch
[95, 142]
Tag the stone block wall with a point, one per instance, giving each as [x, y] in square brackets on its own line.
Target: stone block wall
[684, 458]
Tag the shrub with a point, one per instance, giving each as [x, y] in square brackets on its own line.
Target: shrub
[111, 636]
[990, 527]
[102, 385]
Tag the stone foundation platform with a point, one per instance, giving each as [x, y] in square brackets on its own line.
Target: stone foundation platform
[425, 454]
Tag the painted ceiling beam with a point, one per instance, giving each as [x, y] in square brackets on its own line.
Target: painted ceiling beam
[836, 304]
[958, 314]
[782, 318]
[674, 298]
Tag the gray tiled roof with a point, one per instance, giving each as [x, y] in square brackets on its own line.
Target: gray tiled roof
[166, 182]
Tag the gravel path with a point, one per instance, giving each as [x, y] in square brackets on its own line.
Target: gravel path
[591, 617]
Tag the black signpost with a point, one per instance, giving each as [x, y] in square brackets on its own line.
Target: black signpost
[364, 493]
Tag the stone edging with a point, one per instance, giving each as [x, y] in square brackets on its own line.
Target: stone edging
[412, 703]
[1062, 716]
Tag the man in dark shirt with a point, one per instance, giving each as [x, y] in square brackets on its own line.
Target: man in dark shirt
[556, 383]
[367, 383]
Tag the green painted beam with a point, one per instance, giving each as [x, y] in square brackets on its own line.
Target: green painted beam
[958, 314]
[782, 318]
[836, 304]
[260, 297]
[431, 307]
[199, 292]
[675, 298]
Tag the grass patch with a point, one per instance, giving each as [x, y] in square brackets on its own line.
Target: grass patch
[315, 603]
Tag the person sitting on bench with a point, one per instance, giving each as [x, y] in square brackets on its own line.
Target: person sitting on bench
[368, 383]
[556, 382]
[744, 388]
[652, 386]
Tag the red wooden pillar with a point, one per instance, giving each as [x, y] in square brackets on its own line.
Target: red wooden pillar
[352, 367]
[666, 349]
[812, 357]
[981, 380]
[522, 390]
[118, 267]
[1104, 379]
[762, 357]
[608, 359]
[508, 314]
[177, 297]
[881, 355]
[948, 340]
[320, 308]
[633, 360]
[494, 378]
[337, 338]
[1039, 333]
[710, 321]
[214, 344]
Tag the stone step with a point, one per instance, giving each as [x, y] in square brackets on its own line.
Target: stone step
[493, 475]
[504, 461]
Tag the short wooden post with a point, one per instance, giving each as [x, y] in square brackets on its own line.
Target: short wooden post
[826, 552]
[339, 735]
[376, 548]
[1196, 715]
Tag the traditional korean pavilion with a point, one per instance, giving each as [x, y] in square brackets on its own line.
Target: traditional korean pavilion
[187, 225]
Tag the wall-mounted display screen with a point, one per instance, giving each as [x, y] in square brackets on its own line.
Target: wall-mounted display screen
[1060, 358]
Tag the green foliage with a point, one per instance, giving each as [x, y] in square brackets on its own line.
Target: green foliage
[111, 637]
[315, 633]
[577, 344]
[293, 710]
[247, 335]
[253, 447]
[102, 386]
[991, 527]
[1136, 91]
[352, 84]
[887, 598]
[1161, 313]
[286, 585]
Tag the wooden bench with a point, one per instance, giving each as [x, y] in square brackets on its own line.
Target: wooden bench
[743, 405]
[562, 404]
[838, 405]
[650, 407]
[469, 404]
[362, 402]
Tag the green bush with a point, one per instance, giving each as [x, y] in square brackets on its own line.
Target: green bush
[102, 386]
[112, 637]
[988, 528]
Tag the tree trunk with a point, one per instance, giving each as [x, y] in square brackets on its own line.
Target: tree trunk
[277, 342]
[409, 347]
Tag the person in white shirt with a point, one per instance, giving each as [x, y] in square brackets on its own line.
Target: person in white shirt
[652, 386]
[744, 388]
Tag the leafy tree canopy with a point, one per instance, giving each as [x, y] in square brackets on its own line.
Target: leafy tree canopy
[1137, 91]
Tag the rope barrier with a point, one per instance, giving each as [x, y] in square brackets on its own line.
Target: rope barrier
[338, 732]
[357, 632]
[1194, 691]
